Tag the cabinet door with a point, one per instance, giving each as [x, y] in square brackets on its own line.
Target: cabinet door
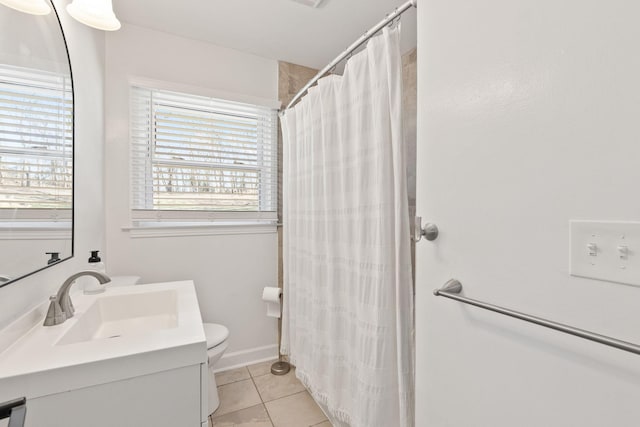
[165, 399]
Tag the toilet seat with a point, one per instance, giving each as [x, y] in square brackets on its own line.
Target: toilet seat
[215, 334]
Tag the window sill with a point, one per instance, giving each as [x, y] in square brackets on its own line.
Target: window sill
[31, 230]
[180, 229]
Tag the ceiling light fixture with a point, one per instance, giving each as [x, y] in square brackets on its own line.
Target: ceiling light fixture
[34, 7]
[94, 13]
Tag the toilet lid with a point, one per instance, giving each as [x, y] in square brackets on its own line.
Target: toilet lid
[216, 334]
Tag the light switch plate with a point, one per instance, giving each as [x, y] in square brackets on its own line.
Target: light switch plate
[605, 250]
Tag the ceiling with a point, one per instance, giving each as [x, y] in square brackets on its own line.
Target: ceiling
[275, 29]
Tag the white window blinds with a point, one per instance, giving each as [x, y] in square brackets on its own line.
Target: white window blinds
[193, 153]
[36, 141]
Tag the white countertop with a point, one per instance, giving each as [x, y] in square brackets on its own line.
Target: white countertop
[35, 366]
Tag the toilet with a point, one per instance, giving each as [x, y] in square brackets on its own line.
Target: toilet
[216, 345]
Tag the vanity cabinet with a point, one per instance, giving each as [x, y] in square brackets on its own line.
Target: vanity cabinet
[133, 356]
[164, 399]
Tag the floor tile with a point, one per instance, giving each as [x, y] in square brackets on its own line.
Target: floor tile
[232, 376]
[236, 396]
[261, 368]
[298, 410]
[255, 416]
[273, 387]
[324, 424]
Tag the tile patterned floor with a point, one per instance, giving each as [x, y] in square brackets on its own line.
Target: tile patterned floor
[252, 397]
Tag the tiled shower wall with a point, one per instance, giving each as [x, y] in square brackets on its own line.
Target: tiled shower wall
[409, 118]
[291, 78]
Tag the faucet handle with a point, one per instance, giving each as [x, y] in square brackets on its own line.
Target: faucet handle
[55, 315]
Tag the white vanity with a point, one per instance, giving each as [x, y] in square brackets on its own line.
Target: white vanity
[132, 356]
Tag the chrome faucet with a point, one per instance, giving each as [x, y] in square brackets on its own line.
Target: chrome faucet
[61, 307]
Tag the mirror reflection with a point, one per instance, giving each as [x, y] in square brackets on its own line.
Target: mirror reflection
[36, 144]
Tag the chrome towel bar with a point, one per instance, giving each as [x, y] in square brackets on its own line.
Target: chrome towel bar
[453, 287]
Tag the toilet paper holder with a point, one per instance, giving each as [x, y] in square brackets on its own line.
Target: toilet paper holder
[273, 296]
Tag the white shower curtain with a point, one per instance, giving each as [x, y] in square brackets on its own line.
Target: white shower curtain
[348, 299]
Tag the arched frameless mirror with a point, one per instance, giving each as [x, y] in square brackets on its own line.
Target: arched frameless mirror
[36, 144]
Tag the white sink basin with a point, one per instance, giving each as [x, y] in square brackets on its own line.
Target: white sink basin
[124, 315]
[123, 333]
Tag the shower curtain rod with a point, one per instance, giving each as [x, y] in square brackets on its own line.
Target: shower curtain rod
[366, 36]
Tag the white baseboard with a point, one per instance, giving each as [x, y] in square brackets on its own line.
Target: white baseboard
[238, 359]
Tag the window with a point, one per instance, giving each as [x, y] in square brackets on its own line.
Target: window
[36, 144]
[196, 158]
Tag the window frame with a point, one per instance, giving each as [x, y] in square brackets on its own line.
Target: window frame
[150, 222]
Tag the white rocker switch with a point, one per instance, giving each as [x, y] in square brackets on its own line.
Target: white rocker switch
[605, 250]
[623, 252]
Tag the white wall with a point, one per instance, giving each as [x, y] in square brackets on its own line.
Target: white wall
[30, 41]
[19, 256]
[86, 49]
[229, 270]
[528, 117]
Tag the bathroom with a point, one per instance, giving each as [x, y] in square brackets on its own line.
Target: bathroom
[524, 150]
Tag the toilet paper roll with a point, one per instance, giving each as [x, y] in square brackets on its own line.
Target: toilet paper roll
[271, 296]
